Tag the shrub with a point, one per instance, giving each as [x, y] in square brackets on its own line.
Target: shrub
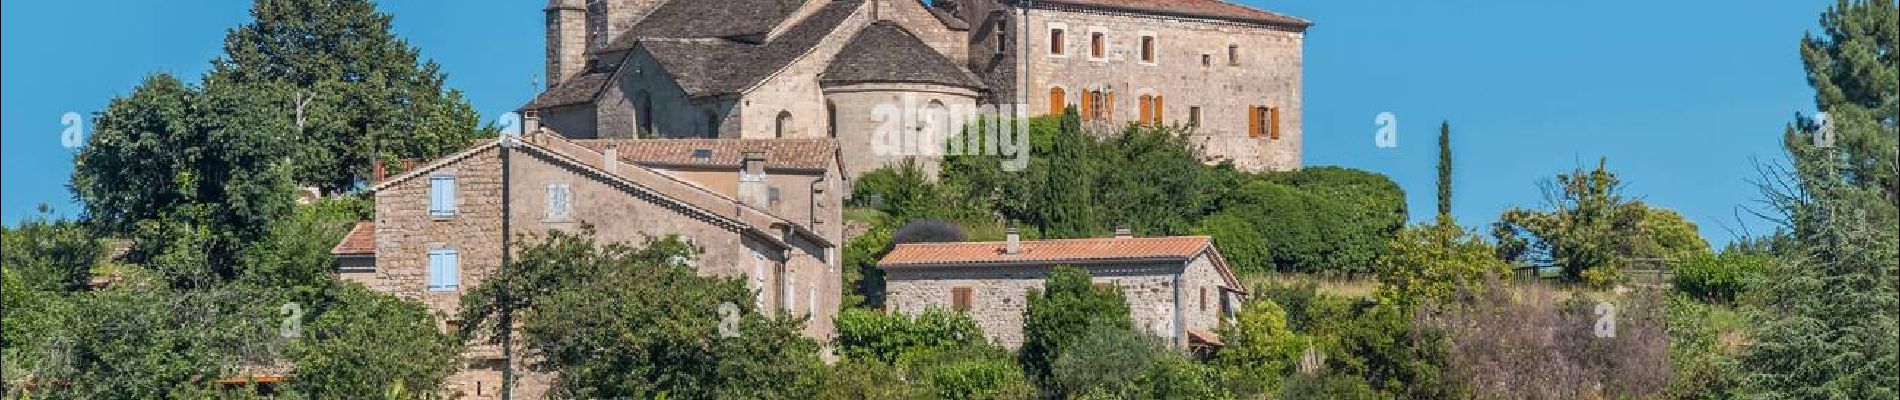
[1068, 307]
[872, 335]
[1323, 219]
[1719, 278]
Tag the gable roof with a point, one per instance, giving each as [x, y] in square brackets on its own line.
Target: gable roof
[796, 154]
[1061, 251]
[711, 66]
[360, 241]
[886, 53]
[1211, 9]
[690, 198]
[707, 19]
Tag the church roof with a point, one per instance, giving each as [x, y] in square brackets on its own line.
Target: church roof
[700, 19]
[577, 90]
[886, 53]
[1213, 9]
[711, 67]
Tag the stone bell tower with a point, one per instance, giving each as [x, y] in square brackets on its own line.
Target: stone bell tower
[577, 27]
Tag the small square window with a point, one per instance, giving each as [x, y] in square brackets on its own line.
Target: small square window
[1098, 45]
[1207, 60]
[1056, 44]
[1233, 54]
[1194, 116]
[1148, 49]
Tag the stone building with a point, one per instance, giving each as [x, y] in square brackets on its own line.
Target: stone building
[765, 210]
[1178, 288]
[767, 69]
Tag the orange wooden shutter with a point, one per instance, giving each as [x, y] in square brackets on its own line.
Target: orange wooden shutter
[960, 299]
[1057, 100]
[1158, 108]
[1253, 122]
[1147, 112]
[1108, 107]
[1274, 124]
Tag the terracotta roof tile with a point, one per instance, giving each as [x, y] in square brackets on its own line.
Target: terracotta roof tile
[360, 241]
[804, 154]
[1046, 251]
[1215, 9]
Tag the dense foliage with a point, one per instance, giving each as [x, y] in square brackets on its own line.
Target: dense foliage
[1068, 307]
[1591, 230]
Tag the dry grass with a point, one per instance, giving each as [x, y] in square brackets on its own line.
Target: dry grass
[1343, 286]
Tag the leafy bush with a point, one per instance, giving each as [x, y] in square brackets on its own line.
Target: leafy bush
[866, 334]
[1322, 219]
[1719, 278]
[978, 372]
[1068, 307]
[1123, 364]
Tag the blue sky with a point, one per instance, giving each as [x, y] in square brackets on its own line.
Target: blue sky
[1684, 98]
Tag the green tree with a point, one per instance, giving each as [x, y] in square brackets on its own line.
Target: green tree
[1321, 219]
[358, 93]
[1823, 321]
[190, 173]
[1433, 262]
[1068, 307]
[1066, 205]
[1591, 230]
[1124, 364]
[365, 342]
[50, 255]
[1261, 350]
[1151, 182]
[616, 320]
[1444, 169]
[889, 337]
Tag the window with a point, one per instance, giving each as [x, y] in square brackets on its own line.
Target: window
[1002, 36]
[960, 298]
[1148, 49]
[1098, 45]
[1203, 299]
[1233, 54]
[831, 118]
[646, 114]
[784, 124]
[1207, 60]
[1058, 101]
[1264, 121]
[442, 195]
[1194, 116]
[1056, 44]
[1159, 104]
[758, 280]
[445, 271]
[558, 201]
[712, 124]
[1097, 105]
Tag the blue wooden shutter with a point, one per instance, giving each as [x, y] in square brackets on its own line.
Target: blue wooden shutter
[442, 195]
[444, 270]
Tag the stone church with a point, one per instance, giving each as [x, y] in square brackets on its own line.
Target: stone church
[770, 69]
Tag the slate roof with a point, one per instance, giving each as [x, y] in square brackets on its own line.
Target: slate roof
[707, 19]
[360, 241]
[803, 154]
[884, 52]
[1213, 9]
[710, 67]
[577, 90]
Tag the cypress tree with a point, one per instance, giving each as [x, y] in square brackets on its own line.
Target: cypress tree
[1444, 170]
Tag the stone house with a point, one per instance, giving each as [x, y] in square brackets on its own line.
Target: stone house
[763, 210]
[767, 69]
[1178, 288]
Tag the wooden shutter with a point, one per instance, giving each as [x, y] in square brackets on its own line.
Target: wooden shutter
[960, 298]
[1203, 299]
[1158, 107]
[1108, 107]
[1147, 108]
[1253, 122]
[1273, 117]
[1057, 100]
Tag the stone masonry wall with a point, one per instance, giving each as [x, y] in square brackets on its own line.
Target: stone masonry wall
[1268, 74]
[1000, 295]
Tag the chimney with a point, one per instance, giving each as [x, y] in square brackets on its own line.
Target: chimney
[752, 185]
[378, 172]
[610, 158]
[530, 123]
[1123, 232]
[1014, 242]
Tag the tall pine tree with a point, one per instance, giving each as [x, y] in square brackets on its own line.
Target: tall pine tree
[1823, 321]
[359, 93]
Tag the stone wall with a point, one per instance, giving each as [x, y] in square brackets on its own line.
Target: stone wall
[795, 89]
[999, 295]
[1267, 74]
[859, 124]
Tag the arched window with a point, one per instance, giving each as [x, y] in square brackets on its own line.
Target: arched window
[784, 124]
[1002, 35]
[712, 124]
[937, 129]
[1146, 105]
[1058, 100]
[831, 118]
